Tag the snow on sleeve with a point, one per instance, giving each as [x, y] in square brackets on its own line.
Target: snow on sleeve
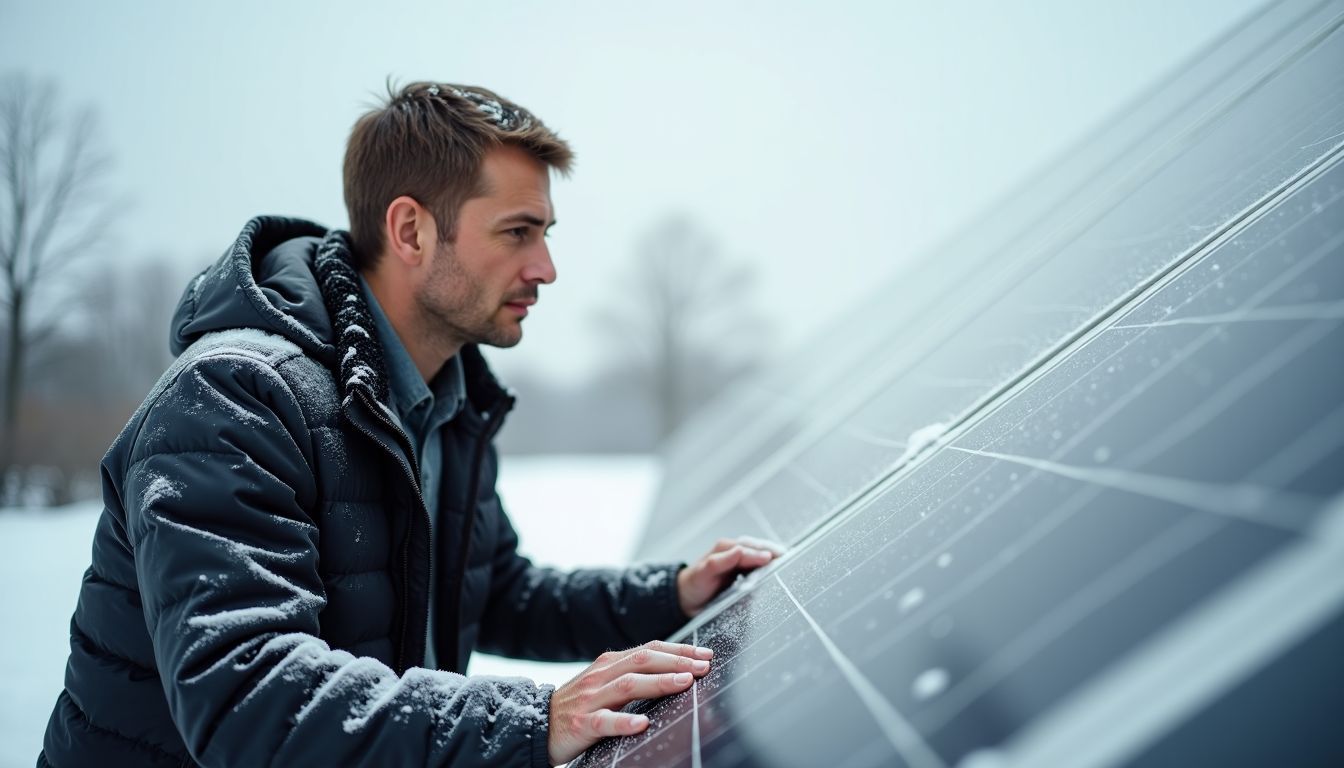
[366, 689]
[371, 679]
[650, 580]
[486, 699]
[246, 341]
[299, 600]
[534, 578]
[158, 489]
[238, 412]
[639, 584]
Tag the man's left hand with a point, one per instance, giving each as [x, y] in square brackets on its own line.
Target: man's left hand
[700, 581]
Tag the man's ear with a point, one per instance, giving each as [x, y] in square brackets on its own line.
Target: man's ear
[408, 227]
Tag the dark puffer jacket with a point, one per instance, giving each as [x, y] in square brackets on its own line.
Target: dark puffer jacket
[259, 587]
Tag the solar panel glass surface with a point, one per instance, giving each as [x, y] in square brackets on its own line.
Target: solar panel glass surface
[1172, 454]
[935, 372]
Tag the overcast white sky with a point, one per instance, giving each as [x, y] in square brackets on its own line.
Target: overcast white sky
[826, 143]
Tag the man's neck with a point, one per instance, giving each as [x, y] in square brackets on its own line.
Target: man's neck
[397, 301]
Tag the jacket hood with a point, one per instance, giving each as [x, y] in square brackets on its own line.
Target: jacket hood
[265, 280]
[294, 278]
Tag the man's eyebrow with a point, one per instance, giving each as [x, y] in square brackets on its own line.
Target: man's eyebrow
[528, 219]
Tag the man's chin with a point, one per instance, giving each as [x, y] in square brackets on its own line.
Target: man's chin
[504, 340]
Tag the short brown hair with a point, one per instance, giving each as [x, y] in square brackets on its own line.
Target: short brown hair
[427, 141]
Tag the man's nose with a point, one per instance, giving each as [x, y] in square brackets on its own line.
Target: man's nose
[540, 268]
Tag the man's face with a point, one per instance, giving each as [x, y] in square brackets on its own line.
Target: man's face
[480, 286]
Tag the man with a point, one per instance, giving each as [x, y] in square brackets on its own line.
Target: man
[302, 543]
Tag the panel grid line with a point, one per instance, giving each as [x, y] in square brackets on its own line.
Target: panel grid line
[1324, 310]
[902, 735]
[1242, 500]
[811, 482]
[695, 711]
[754, 510]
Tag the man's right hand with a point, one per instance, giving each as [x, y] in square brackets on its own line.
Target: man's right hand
[584, 709]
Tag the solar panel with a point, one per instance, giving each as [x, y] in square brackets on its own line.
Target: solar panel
[1001, 309]
[1123, 543]
[1076, 520]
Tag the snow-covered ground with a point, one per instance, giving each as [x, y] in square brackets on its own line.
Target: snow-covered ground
[45, 554]
[569, 511]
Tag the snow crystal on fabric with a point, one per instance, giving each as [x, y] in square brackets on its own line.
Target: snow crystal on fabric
[308, 656]
[350, 678]
[301, 600]
[238, 412]
[246, 341]
[380, 693]
[158, 489]
[649, 581]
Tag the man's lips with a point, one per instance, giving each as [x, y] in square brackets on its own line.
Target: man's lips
[520, 306]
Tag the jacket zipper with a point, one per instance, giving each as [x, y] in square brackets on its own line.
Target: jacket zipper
[413, 473]
[498, 409]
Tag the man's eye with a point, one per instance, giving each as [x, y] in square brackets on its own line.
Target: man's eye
[517, 232]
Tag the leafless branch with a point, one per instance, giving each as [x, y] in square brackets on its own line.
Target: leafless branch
[52, 212]
[683, 317]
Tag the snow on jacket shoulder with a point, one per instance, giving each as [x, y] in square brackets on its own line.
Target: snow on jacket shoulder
[259, 587]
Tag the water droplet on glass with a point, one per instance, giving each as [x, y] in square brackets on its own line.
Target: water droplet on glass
[1101, 455]
[930, 683]
[911, 600]
[944, 559]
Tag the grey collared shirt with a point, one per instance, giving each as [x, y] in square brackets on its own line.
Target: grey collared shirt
[422, 409]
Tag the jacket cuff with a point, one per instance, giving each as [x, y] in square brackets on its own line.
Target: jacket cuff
[676, 617]
[541, 755]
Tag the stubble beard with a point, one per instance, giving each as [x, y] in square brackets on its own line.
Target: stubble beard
[457, 308]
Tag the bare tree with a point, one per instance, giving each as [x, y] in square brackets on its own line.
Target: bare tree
[685, 315]
[52, 212]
